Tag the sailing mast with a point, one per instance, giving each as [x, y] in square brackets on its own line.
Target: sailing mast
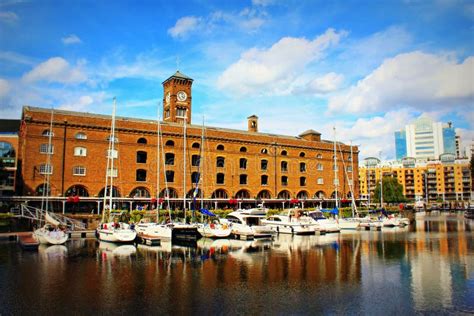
[46, 185]
[336, 180]
[158, 163]
[112, 146]
[184, 163]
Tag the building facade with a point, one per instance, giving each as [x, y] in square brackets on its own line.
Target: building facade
[221, 163]
[8, 156]
[447, 179]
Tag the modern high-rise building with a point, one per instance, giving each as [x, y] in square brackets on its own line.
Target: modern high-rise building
[425, 139]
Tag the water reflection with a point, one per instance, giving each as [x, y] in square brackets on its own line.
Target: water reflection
[426, 267]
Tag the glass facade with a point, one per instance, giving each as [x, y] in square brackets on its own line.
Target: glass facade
[400, 145]
[449, 140]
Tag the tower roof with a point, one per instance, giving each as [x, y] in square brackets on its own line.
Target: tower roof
[179, 75]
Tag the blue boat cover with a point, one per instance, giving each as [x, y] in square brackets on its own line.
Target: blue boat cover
[206, 212]
[334, 211]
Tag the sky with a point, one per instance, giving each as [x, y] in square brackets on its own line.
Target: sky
[367, 68]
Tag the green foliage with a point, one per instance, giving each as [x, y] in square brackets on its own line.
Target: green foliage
[136, 216]
[392, 191]
[6, 215]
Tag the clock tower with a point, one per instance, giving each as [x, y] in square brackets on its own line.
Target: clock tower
[177, 98]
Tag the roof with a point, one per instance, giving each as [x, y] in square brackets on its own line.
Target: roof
[179, 75]
[310, 132]
[9, 126]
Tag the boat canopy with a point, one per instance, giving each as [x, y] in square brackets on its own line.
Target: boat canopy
[207, 212]
[334, 211]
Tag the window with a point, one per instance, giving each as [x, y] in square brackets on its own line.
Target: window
[319, 156]
[140, 175]
[169, 159]
[82, 152]
[335, 168]
[349, 158]
[115, 138]
[220, 161]
[264, 164]
[284, 153]
[195, 177]
[336, 181]
[302, 181]
[47, 149]
[302, 167]
[264, 151]
[349, 168]
[319, 167]
[112, 173]
[264, 179]
[220, 178]
[243, 163]
[243, 179]
[243, 149]
[320, 181]
[79, 171]
[169, 143]
[169, 176]
[167, 113]
[284, 180]
[110, 153]
[141, 156]
[195, 160]
[284, 166]
[47, 132]
[302, 154]
[196, 145]
[46, 169]
[142, 140]
[220, 147]
[180, 112]
[81, 136]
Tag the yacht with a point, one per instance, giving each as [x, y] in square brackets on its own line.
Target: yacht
[291, 222]
[248, 224]
[328, 224]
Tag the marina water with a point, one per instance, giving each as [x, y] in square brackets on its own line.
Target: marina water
[427, 267]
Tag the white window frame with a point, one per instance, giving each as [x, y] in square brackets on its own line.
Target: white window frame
[114, 173]
[46, 169]
[80, 135]
[320, 167]
[80, 151]
[79, 171]
[113, 153]
[320, 181]
[44, 149]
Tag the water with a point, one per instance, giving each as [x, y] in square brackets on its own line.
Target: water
[427, 268]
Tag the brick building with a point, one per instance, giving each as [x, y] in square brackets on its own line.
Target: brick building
[8, 156]
[245, 165]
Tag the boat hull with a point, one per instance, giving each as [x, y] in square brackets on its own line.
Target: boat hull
[55, 237]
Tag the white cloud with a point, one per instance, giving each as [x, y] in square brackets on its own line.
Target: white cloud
[78, 105]
[328, 83]
[272, 70]
[4, 87]
[56, 69]
[71, 39]
[184, 26]
[262, 2]
[16, 58]
[418, 80]
[8, 17]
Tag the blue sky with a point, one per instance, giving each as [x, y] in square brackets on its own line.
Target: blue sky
[366, 67]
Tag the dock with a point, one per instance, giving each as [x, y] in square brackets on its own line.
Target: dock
[148, 240]
[28, 242]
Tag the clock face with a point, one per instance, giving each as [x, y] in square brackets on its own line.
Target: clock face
[182, 96]
[168, 96]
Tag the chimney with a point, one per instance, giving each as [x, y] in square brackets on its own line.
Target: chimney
[253, 123]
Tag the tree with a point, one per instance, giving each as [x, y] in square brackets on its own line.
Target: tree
[392, 191]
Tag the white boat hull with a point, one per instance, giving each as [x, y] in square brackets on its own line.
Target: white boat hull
[217, 231]
[55, 237]
[348, 224]
[111, 233]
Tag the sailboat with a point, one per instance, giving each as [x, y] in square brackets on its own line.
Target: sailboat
[50, 233]
[109, 229]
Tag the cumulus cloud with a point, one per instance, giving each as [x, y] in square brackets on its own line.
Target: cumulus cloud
[328, 83]
[418, 80]
[56, 69]
[184, 26]
[78, 105]
[272, 70]
[71, 39]
[8, 17]
[4, 87]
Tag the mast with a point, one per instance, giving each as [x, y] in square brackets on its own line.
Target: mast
[381, 181]
[352, 183]
[184, 164]
[46, 186]
[336, 180]
[112, 146]
[201, 164]
[158, 163]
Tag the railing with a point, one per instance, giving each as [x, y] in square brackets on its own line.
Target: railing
[38, 214]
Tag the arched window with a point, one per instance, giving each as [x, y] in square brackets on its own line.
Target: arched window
[142, 140]
[115, 192]
[195, 160]
[263, 164]
[264, 179]
[284, 153]
[47, 132]
[264, 194]
[243, 163]
[302, 181]
[140, 192]
[169, 143]
[242, 194]
[78, 190]
[220, 177]
[80, 135]
[243, 179]
[264, 151]
[194, 193]
[43, 188]
[319, 156]
[220, 162]
[302, 154]
[169, 159]
[169, 176]
[219, 194]
[140, 175]
[220, 147]
[302, 167]
[284, 166]
[141, 156]
[196, 145]
[243, 149]
[320, 195]
[81, 152]
[284, 180]
[169, 193]
[302, 195]
[195, 177]
[284, 195]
